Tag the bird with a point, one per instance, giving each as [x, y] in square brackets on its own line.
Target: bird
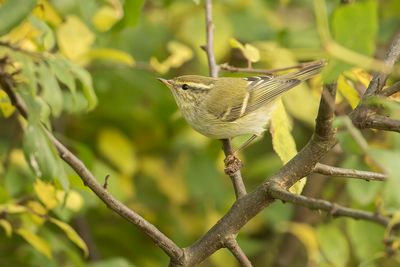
[227, 107]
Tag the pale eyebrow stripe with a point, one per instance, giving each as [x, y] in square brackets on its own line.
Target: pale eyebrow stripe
[226, 114]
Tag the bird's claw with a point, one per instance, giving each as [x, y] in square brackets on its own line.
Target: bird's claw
[232, 164]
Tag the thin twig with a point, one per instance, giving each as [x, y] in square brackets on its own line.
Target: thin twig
[237, 251]
[333, 209]
[342, 172]
[235, 175]
[230, 68]
[161, 240]
[391, 90]
[379, 78]
[233, 165]
[209, 47]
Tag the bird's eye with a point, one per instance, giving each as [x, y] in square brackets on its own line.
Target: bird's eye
[185, 86]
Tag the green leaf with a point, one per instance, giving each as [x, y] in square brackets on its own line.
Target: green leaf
[113, 55]
[354, 26]
[60, 68]
[87, 85]
[40, 152]
[115, 262]
[132, 11]
[13, 12]
[51, 91]
[333, 245]
[46, 38]
[36, 241]
[366, 238]
[71, 234]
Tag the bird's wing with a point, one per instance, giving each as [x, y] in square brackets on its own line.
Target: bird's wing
[243, 96]
[231, 103]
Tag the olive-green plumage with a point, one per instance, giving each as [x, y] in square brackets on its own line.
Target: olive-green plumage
[227, 107]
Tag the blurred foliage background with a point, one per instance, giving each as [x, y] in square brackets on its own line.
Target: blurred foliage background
[88, 70]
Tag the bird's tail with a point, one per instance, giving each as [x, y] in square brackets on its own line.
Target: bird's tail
[306, 72]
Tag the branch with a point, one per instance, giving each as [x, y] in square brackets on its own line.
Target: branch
[209, 47]
[236, 250]
[230, 68]
[232, 164]
[342, 172]
[319, 204]
[161, 240]
[379, 79]
[391, 90]
[364, 118]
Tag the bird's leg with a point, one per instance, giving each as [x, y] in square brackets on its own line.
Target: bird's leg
[232, 163]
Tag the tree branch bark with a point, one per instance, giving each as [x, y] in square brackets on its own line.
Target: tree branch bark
[342, 172]
[237, 251]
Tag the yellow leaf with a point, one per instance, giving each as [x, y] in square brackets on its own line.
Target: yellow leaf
[6, 226]
[71, 234]
[23, 35]
[48, 13]
[118, 149]
[74, 38]
[74, 201]
[348, 91]
[281, 128]
[236, 44]
[36, 241]
[106, 17]
[306, 234]
[179, 54]
[46, 192]
[6, 108]
[251, 53]
[283, 141]
[38, 211]
[166, 176]
[12, 208]
[114, 55]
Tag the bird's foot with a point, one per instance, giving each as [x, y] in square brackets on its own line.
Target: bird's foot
[232, 164]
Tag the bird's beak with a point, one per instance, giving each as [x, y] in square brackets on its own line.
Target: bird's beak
[164, 81]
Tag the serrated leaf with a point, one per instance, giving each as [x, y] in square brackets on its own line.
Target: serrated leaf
[46, 192]
[13, 12]
[6, 227]
[71, 234]
[36, 241]
[118, 149]
[6, 108]
[40, 152]
[74, 38]
[113, 55]
[51, 91]
[333, 245]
